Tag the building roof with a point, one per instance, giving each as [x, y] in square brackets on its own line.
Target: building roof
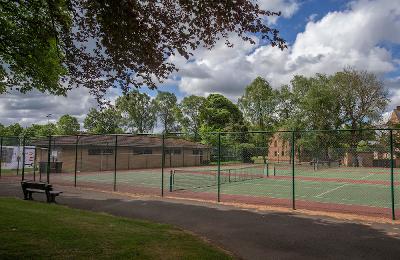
[123, 140]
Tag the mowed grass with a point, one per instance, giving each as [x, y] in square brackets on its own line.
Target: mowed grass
[38, 230]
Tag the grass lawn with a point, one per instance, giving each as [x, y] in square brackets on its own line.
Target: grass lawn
[38, 230]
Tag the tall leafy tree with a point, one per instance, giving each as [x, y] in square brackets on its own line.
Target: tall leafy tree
[318, 107]
[363, 97]
[32, 130]
[105, 121]
[191, 108]
[36, 130]
[259, 104]
[56, 45]
[286, 104]
[220, 113]
[138, 111]
[168, 112]
[35, 47]
[12, 130]
[67, 125]
[47, 130]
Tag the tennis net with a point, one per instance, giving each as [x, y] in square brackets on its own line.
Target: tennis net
[285, 168]
[188, 179]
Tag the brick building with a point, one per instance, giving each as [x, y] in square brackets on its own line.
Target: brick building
[97, 153]
[279, 149]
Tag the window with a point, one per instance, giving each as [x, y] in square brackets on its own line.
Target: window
[100, 151]
[275, 153]
[142, 151]
[172, 151]
[283, 153]
[197, 152]
[7, 155]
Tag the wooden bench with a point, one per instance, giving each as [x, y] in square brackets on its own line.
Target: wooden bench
[29, 187]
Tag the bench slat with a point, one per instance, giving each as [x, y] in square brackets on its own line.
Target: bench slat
[55, 192]
[36, 190]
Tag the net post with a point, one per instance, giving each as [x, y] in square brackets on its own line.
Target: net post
[392, 174]
[48, 161]
[23, 159]
[163, 164]
[267, 165]
[115, 162]
[274, 170]
[1, 153]
[293, 187]
[76, 159]
[219, 169]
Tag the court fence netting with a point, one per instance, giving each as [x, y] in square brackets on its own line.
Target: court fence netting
[342, 171]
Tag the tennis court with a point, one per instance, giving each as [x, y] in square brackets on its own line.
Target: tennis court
[323, 170]
[358, 190]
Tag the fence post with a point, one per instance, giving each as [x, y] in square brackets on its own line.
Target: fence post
[34, 165]
[183, 156]
[219, 169]
[392, 174]
[170, 181]
[76, 159]
[293, 187]
[1, 153]
[23, 159]
[18, 157]
[162, 165]
[48, 160]
[115, 162]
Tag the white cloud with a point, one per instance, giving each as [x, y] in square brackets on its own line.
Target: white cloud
[394, 91]
[312, 18]
[353, 37]
[34, 106]
[286, 7]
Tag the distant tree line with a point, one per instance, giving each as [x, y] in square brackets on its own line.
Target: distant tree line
[66, 125]
[347, 99]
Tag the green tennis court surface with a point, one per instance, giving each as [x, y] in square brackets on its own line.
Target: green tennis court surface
[356, 186]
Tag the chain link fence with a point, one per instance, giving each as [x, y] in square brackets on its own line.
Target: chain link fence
[345, 171]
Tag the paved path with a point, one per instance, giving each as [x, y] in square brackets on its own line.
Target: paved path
[249, 235]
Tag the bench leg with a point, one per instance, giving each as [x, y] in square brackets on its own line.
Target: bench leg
[48, 197]
[30, 195]
[26, 195]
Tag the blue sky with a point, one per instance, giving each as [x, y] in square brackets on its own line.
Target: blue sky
[312, 11]
[323, 36]
[308, 8]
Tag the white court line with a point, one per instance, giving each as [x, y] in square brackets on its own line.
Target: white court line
[341, 186]
[328, 191]
[363, 178]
